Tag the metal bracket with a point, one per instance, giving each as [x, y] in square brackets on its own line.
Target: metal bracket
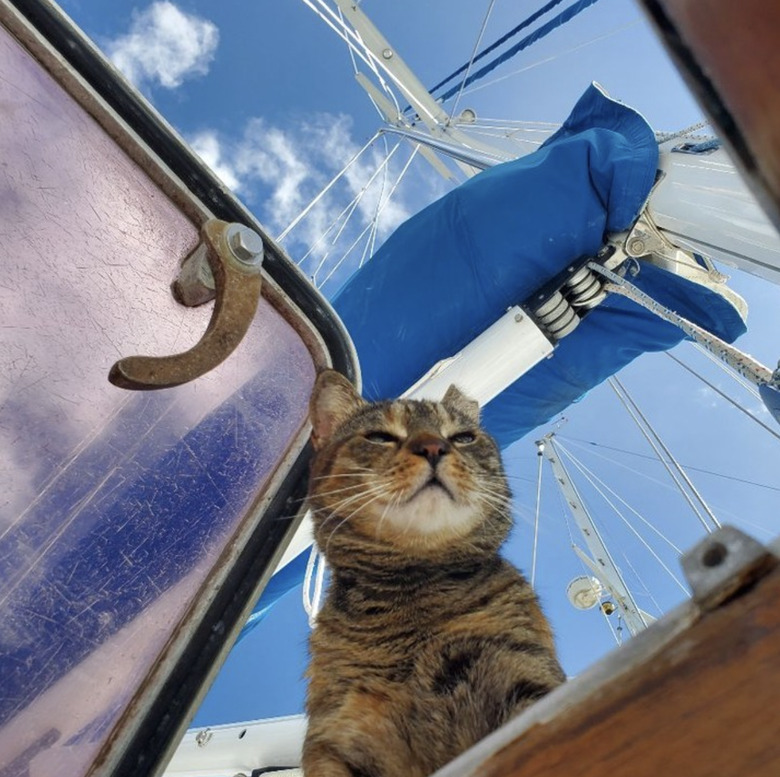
[234, 254]
[723, 564]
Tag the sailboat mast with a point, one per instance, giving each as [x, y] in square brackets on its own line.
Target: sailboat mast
[600, 562]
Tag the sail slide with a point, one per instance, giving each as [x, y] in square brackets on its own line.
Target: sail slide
[453, 269]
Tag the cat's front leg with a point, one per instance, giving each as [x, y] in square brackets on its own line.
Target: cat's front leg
[320, 761]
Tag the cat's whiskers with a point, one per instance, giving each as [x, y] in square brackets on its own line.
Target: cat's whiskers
[355, 473]
[335, 510]
[345, 489]
[393, 503]
[342, 522]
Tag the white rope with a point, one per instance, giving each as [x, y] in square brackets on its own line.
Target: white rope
[746, 384]
[312, 598]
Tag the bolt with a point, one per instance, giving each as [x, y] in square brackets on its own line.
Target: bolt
[245, 244]
[636, 246]
[518, 317]
[714, 555]
[387, 53]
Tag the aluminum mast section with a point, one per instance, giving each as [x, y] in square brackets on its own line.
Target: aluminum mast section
[601, 562]
[429, 110]
[730, 226]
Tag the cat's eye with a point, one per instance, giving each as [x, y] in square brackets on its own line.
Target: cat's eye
[463, 438]
[381, 437]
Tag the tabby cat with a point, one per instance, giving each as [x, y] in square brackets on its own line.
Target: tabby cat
[428, 640]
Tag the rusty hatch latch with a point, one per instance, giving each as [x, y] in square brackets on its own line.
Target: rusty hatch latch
[225, 267]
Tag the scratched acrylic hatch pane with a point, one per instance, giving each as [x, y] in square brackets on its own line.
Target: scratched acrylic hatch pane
[114, 506]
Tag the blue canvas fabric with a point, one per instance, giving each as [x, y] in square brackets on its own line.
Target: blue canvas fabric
[450, 271]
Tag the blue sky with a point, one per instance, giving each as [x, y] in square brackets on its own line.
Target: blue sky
[265, 93]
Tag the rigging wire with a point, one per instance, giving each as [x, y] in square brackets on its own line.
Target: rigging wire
[725, 396]
[617, 496]
[493, 46]
[557, 21]
[369, 246]
[738, 519]
[346, 213]
[353, 40]
[553, 57]
[593, 444]
[647, 592]
[588, 475]
[387, 90]
[474, 54]
[371, 224]
[390, 194]
[587, 572]
[349, 48]
[294, 223]
[540, 458]
[655, 441]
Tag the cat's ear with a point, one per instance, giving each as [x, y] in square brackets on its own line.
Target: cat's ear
[333, 400]
[457, 402]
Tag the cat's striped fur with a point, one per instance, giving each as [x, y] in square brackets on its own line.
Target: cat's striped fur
[428, 640]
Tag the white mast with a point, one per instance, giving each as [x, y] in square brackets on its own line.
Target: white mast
[600, 561]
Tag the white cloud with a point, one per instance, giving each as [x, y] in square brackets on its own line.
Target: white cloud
[207, 146]
[165, 45]
[280, 171]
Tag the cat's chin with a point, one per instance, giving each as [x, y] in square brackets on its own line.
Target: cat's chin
[430, 518]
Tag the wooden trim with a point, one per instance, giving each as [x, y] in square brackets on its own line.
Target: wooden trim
[695, 695]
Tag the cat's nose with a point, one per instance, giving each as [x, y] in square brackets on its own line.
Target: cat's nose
[429, 446]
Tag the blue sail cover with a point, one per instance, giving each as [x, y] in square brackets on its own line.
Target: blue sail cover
[453, 269]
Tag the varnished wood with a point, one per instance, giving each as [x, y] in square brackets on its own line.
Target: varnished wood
[729, 53]
[706, 703]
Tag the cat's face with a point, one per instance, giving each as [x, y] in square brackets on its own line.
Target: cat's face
[413, 474]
